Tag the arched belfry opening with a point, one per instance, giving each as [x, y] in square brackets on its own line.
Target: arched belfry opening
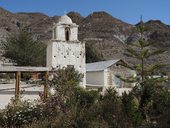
[67, 33]
[54, 33]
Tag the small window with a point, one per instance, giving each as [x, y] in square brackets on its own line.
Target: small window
[70, 66]
[67, 33]
[117, 80]
[117, 65]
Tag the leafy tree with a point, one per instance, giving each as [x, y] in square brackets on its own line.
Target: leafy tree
[64, 75]
[141, 50]
[130, 105]
[159, 111]
[24, 50]
[18, 112]
[76, 107]
[92, 55]
[69, 105]
[146, 84]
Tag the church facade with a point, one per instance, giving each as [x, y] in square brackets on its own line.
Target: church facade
[65, 49]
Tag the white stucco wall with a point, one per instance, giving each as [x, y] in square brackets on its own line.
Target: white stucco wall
[62, 53]
[120, 91]
[49, 54]
[74, 34]
[60, 33]
[108, 77]
[95, 78]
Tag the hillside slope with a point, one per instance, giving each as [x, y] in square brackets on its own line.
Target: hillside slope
[105, 33]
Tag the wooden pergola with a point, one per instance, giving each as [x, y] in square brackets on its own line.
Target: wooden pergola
[18, 70]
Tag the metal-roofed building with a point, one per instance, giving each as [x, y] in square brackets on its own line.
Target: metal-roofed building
[103, 74]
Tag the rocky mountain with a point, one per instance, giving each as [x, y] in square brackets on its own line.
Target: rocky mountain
[105, 33]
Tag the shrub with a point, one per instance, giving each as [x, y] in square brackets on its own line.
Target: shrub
[19, 112]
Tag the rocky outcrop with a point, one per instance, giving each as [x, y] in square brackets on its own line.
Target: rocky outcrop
[107, 34]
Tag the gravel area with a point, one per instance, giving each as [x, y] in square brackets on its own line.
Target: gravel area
[7, 92]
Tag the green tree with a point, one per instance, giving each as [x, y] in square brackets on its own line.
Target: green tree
[130, 106]
[146, 84]
[92, 55]
[75, 107]
[141, 50]
[24, 50]
[68, 107]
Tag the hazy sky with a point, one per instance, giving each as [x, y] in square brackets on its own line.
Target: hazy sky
[126, 10]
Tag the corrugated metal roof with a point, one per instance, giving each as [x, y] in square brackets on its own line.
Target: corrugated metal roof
[101, 65]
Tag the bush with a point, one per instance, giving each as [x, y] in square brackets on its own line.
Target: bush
[19, 112]
[74, 107]
[130, 105]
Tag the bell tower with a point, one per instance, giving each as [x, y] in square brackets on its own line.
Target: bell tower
[65, 49]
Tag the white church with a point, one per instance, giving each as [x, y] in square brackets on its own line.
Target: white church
[66, 50]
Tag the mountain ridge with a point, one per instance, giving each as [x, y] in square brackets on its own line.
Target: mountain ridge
[101, 30]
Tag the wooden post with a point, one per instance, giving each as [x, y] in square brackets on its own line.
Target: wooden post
[46, 85]
[169, 75]
[17, 84]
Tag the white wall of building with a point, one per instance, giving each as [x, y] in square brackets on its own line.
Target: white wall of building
[95, 78]
[106, 75]
[107, 78]
[62, 54]
[74, 32]
[65, 49]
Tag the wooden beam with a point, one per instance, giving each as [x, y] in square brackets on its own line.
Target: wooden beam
[17, 84]
[46, 85]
